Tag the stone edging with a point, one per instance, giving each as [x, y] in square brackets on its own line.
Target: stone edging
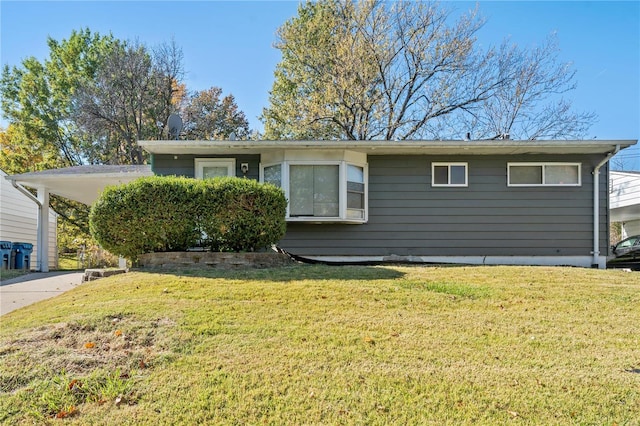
[96, 274]
[206, 259]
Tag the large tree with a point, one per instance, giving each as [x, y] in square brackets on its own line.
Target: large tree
[19, 152]
[404, 70]
[531, 102]
[37, 96]
[130, 99]
[37, 100]
[91, 100]
[207, 115]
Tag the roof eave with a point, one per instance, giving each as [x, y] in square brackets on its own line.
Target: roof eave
[492, 147]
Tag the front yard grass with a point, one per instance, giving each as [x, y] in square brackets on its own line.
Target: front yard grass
[68, 262]
[8, 274]
[330, 345]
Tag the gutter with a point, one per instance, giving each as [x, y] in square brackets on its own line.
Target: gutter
[27, 193]
[596, 207]
[39, 226]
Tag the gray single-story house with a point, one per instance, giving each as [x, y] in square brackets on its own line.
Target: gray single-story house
[474, 202]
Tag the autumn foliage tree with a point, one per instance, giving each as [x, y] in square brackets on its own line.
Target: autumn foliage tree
[91, 100]
[37, 96]
[129, 99]
[408, 70]
[208, 115]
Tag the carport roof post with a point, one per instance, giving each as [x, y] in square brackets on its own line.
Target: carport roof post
[43, 230]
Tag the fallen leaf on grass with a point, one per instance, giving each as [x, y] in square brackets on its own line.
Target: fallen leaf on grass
[513, 413]
[118, 333]
[66, 413]
[89, 345]
[369, 340]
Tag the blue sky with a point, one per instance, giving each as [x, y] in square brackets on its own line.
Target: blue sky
[229, 44]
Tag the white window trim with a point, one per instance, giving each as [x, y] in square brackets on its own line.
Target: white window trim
[364, 209]
[201, 163]
[448, 185]
[265, 165]
[543, 165]
[342, 188]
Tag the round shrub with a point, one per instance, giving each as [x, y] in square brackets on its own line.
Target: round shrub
[240, 214]
[172, 214]
[146, 215]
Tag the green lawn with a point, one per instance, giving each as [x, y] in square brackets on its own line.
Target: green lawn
[330, 345]
[7, 274]
[68, 262]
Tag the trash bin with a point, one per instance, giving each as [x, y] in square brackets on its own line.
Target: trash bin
[23, 255]
[5, 253]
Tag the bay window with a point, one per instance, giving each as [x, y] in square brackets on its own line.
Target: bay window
[321, 191]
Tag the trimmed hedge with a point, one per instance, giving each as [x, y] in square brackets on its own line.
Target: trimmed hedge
[241, 214]
[157, 214]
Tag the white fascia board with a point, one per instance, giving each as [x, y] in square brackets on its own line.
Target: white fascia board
[492, 147]
[81, 187]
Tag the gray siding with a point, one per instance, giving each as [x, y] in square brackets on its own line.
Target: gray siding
[184, 165]
[409, 217]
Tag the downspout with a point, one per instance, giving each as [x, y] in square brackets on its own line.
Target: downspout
[596, 207]
[39, 226]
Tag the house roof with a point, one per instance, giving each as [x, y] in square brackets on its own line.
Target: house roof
[626, 172]
[81, 183]
[450, 147]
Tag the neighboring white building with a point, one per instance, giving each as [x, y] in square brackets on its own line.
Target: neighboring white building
[625, 201]
[19, 221]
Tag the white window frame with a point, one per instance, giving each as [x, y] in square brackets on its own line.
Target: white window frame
[448, 165]
[543, 165]
[343, 216]
[201, 163]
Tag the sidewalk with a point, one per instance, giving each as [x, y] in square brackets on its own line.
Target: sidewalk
[27, 289]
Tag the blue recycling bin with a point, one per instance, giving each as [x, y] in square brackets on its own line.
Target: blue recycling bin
[5, 254]
[23, 255]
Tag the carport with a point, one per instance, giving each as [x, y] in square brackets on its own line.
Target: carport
[79, 183]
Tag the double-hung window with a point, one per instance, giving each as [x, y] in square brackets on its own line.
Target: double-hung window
[449, 174]
[544, 174]
[321, 191]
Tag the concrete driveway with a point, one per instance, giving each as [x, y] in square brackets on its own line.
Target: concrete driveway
[30, 288]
